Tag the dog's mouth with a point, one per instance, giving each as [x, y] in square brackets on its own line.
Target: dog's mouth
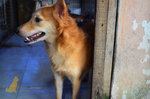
[34, 37]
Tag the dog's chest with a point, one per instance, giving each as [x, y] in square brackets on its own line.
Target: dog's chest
[55, 56]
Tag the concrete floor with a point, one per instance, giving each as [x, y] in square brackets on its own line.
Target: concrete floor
[30, 64]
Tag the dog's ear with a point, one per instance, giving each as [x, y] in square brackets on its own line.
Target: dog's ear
[61, 8]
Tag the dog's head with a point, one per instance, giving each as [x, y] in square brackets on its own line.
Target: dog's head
[44, 23]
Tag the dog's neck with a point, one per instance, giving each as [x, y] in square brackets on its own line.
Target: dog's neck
[51, 38]
[67, 35]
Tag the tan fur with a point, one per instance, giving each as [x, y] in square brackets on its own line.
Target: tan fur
[67, 45]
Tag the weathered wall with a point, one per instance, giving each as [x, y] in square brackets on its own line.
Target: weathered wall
[131, 78]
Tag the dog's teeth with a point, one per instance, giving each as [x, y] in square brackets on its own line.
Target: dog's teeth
[27, 38]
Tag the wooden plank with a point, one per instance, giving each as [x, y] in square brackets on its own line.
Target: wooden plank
[99, 51]
[111, 27]
[104, 43]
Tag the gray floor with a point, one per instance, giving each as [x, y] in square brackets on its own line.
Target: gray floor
[31, 65]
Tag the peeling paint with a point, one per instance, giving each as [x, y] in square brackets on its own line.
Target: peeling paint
[13, 86]
[145, 59]
[146, 72]
[145, 42]
[146, 96]
[135, 25]
[136, 92]
[124, 94]
[148, 82]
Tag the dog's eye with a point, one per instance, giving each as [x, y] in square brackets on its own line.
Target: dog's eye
[37, 19]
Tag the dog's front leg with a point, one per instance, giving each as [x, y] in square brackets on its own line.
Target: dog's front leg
[76, 86]
[58, 85]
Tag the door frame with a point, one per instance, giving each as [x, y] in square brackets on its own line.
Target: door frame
[105, 33]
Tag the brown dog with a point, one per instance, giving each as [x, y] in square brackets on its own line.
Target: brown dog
[66, 44]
